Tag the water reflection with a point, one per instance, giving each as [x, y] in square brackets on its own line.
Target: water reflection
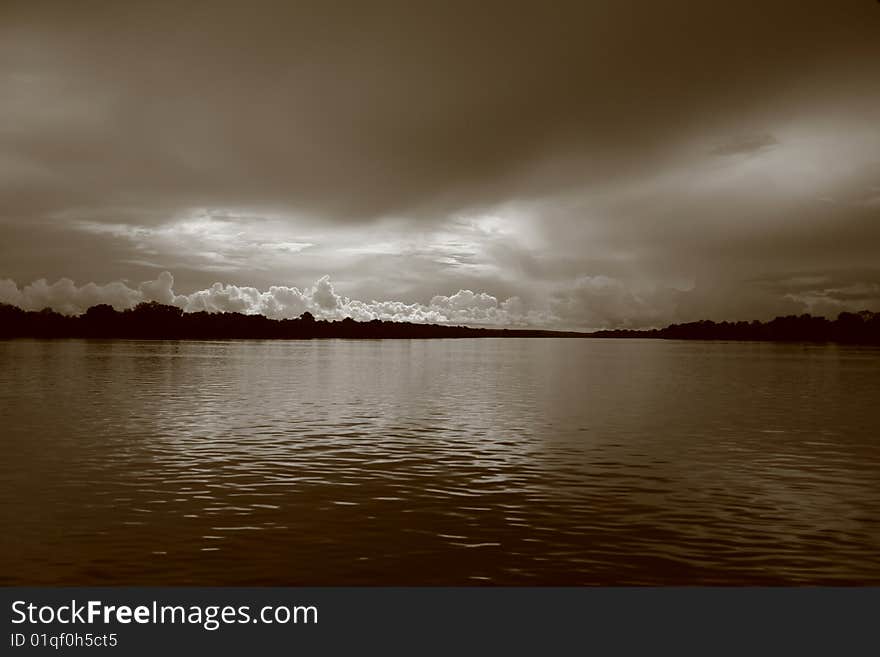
[438, 462]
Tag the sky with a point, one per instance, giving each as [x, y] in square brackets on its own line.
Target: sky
[560, 164]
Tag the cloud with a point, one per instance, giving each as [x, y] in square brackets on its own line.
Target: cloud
[276, 302]
[603, 302]
[9, 293]
[212, 240]
[332, 112]
[66, 297]
[159, 290]
[851, 297]
[746, 145]
[554, 144]
[588, 302]
[324, 295]
[827, 296]
[322, 300]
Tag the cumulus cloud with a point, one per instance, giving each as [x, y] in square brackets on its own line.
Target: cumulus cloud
[586, 303]
[66, 297]
[277, 302]
[589, 302]
[159, 290]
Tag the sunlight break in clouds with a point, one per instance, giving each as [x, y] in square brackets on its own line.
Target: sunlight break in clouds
[214, 240]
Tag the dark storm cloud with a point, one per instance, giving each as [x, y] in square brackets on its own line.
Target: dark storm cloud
[383, 108]
[629, 149]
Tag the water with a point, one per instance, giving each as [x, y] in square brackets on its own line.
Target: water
[438, 462]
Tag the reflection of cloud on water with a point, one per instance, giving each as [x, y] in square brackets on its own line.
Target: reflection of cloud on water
[339, 404]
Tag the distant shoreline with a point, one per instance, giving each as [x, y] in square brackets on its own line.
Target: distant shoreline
[154, 321]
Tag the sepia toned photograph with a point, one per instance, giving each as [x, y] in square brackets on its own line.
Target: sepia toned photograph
[472, 294]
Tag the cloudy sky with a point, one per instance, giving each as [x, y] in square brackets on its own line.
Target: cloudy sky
[571, 164]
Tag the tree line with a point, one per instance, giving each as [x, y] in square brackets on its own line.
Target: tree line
[159, 321]
[861, 327]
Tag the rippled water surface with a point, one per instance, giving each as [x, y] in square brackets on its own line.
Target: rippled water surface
[508, 461]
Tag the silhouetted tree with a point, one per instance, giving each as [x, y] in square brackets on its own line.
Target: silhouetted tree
[159, 321]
